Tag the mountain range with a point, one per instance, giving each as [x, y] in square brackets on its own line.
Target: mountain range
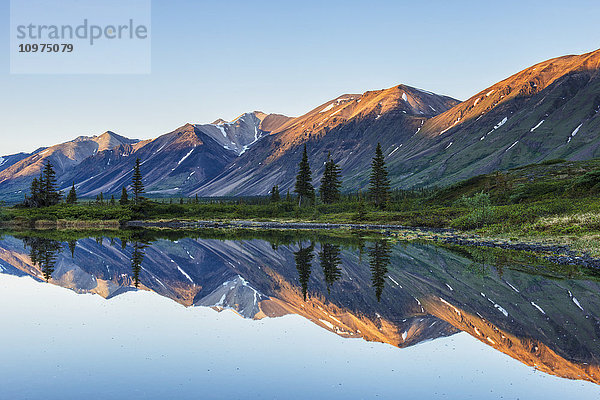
[547, 111]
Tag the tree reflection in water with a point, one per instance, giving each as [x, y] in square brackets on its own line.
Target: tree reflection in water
[43, 253]
[303, 258]
[379, 259]
[329, 256]
[137, 256]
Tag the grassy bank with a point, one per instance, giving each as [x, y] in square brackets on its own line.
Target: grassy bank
[556, 199]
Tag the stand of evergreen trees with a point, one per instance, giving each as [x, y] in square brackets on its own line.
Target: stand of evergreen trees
[44, 192]
[331, 182]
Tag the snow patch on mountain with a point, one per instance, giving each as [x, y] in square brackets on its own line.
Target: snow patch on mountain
[497, 126]
[574, 132]
[393, 151]
[222, 129]
[538, 307]
[537, 126]
[512, 287]
[185, 274]
[451, 126]
[329, 107]
[575, 300]
[511, 146]
[184, 158]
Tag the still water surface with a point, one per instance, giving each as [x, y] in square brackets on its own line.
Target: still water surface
[289, 316]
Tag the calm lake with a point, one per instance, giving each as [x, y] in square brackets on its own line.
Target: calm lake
[289, 315]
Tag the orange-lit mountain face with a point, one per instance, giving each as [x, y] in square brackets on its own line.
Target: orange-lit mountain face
[547, 111]
[64, 156]
[524, 84]
[550, 110]
[397, 101]
[349, 127]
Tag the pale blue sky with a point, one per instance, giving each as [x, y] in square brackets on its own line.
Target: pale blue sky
[220, 59]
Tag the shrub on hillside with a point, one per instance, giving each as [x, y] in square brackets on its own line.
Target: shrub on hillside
[587, 184]
[481, 211]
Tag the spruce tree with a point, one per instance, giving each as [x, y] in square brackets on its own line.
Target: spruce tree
[304, 187]
[35, 199]
[112, 200]
[72, 196]
[275, 197]
[331, 182]
[124, 200]
[137, 186]
[379, 187]
[49, 195]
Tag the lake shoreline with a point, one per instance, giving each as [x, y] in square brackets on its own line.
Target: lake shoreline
[553, 249]
[562, 254]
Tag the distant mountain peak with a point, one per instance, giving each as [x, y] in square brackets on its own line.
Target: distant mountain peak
[109, 140]
[348, 126]
[244, 131]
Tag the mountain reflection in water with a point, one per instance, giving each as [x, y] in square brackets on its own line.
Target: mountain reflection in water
[400, 294]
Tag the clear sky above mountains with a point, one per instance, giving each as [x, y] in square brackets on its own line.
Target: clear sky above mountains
[220, 59]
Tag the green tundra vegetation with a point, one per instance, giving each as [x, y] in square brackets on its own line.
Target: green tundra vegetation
[554, 198]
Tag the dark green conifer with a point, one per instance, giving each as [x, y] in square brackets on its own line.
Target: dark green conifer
[124, 200]
[48, 193]
[137, 184]
[330, 182]
[275, 197]
[72, 196]
[379, 188]
[304, 187]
